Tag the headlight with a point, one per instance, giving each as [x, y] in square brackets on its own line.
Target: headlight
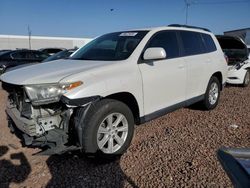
[231, 68]
[48, 93]
[2, 68]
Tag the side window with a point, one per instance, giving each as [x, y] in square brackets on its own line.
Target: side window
[30, 55]
[18, 55]
[209, 43]
[168, 41]
[192, 43]
[38, 55]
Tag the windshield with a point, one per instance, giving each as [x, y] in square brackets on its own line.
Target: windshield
[113, 46]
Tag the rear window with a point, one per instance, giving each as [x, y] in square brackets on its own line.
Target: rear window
[192, 43]
[209, 42]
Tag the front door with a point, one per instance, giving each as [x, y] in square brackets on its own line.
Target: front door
[164, 81]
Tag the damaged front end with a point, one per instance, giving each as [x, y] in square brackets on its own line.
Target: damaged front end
[45, 126]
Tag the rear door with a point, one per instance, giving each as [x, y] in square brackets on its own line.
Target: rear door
[164, 81]
[197, 61]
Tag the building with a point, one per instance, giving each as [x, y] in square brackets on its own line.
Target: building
[13, 42]
[242, 33]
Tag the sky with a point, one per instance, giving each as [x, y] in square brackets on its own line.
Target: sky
[91, 18]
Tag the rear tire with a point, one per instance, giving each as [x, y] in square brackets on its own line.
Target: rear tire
[108, 128]
[212, 94]
[246, 79]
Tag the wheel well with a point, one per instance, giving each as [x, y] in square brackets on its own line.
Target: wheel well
[130, 101]
[219, 76]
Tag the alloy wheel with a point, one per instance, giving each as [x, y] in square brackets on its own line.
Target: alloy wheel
[112, 133]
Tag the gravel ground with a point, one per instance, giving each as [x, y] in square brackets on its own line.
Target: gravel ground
[176, 150]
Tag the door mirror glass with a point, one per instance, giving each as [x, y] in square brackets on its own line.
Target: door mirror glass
[154, 54]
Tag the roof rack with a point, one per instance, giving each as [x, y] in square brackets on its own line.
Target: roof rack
[188, 26]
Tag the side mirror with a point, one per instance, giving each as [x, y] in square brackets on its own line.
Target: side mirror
[154, 54]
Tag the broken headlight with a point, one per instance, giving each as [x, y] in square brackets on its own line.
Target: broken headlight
[48, 93]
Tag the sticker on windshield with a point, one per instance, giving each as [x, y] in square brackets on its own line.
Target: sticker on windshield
[128, 34]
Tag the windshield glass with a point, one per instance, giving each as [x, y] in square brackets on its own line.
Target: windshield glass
[113, 46]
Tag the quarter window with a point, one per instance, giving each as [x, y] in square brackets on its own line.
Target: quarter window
[209, 43]
[168, 41]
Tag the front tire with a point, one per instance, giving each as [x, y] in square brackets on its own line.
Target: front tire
[108, 128]
[212, 94]
[246, 79]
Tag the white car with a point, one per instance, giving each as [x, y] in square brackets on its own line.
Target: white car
[92, 100]
[248, 47]
[238, 59]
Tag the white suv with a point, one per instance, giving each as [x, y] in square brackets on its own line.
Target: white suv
[92, 100]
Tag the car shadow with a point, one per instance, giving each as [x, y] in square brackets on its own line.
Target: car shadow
[234, 85]
[10, 172]
[197, 106]
[78, 170]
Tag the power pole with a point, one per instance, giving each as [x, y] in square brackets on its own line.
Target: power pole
[29, 33]
[187, 7]
[188, 4]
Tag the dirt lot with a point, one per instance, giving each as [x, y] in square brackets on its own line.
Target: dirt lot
[177, 150]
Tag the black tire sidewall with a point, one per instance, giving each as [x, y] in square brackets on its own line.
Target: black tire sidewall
[98, 112]
[207, 104]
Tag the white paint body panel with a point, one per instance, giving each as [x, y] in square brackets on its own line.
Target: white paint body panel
[164, 83]
[155, 86]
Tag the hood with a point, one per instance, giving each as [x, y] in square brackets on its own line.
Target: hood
[49, 72]
[19, 66]
[234, 48]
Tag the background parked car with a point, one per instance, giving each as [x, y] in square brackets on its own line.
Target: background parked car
[236, 163]
[238, 63]
[60, 55]
[15, 58]
[2, 51]
[51, 51]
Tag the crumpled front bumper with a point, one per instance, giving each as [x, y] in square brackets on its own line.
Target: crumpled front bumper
[28, 130]
[57, 139]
